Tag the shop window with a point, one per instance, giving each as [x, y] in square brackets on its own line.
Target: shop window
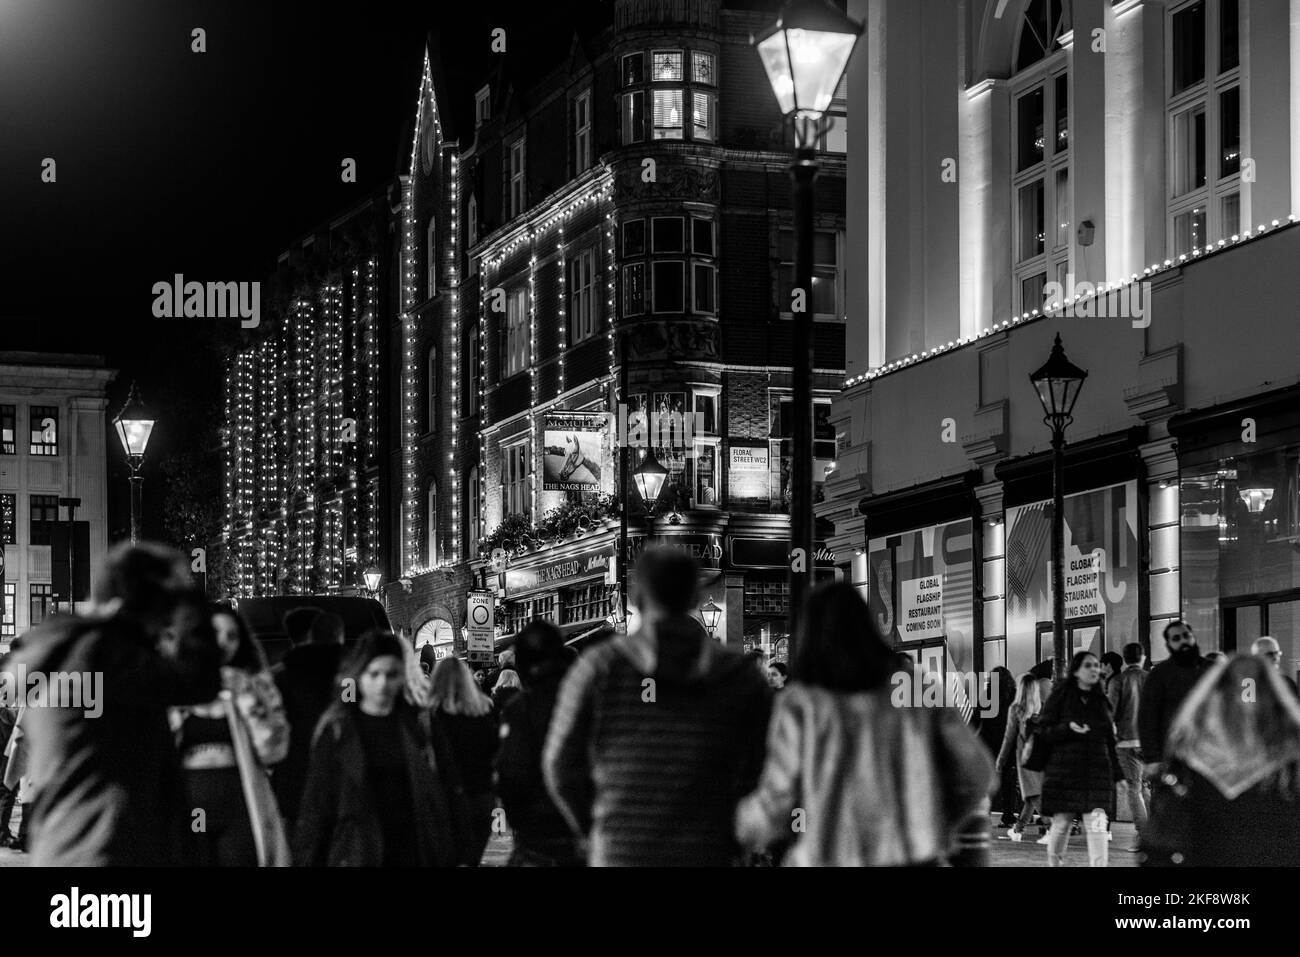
[522, 611]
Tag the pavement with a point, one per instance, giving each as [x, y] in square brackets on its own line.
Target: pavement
[1003, 853]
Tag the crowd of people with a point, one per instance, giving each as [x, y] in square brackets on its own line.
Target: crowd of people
[659, 747]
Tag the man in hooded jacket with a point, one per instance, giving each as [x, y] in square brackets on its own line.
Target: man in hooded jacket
[657, 735]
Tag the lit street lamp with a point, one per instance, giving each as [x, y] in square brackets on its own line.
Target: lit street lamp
[1059, 383]
[649, 477]
[710, 612]
[134, 425]
[805, 55]
[372, 577]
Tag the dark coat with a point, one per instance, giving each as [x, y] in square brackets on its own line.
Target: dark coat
[473, 743]
[1082, 768]
[110, 788]
[306, 681]
[1169, 683]
[338, 823]
[539, 828]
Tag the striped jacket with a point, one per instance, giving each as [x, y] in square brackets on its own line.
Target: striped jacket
[654, 739]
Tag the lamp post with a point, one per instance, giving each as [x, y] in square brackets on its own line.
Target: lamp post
[372, 576]
[1059, 383]
[805, 54]
[134, 425]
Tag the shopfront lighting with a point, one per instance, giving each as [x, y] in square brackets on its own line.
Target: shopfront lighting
[1255, 498]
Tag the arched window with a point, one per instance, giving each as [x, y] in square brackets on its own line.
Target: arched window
[472, 506]
[432, 537]
[1041, 28]
[1040, 161]
[472, 216]
[432, 247]
[433, 389]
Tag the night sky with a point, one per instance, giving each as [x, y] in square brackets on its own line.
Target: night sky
[207, 164]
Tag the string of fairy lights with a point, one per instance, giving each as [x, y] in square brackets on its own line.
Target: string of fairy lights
[1102, 289]
[293, 469]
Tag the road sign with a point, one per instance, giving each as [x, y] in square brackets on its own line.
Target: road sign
[480, 625]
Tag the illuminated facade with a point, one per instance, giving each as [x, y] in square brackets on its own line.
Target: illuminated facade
[635, 197]
[1126, 175]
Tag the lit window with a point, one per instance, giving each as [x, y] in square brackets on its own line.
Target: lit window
[8, 429]
[1041, 160]
[8, 519]
[702, 116]
[668, 114]
[702, 68]
[44, 430]
[667, 66]
[9, 613]
[42, 603]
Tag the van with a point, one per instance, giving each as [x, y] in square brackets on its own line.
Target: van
[265, 617]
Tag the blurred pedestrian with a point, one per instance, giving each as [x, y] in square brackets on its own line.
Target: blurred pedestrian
[1167, 684]
[374, 795]
[541, 835]
[1000, 692]
[297, 624]
[109, 785]
[8, 718]
[657, 734]
[1082, 766]
[307, 680]
[226, 747]
[1268, 650]
[1022, 720]
[1111, 665]
[1044, 674]
[428, 660]
[506, 687]
[1228, 791]
[465, 734]
[777, 675]
[1125, 694]
[860, 780]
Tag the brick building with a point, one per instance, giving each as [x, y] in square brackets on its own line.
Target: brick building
[628, 198]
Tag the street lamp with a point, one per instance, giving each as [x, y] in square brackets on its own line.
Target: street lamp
[805, 54]
[649, 477]
[372, 576]
[711, 613]
[134, 425]
[1059, 383]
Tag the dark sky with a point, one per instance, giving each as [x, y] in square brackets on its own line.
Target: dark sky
[207, 164]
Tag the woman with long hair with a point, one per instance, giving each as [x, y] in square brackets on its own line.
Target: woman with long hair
[1021, 718]
[226, 747]
[464, 726]
[1228, 793]
[1082, 765]
[507, 686]
[374, 796]
[999, 692]
[880, 778]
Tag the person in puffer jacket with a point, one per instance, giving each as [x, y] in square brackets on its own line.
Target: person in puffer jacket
[657, 735]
